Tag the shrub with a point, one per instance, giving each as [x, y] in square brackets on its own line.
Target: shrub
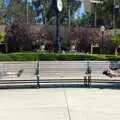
[2, 37]
[33, 56]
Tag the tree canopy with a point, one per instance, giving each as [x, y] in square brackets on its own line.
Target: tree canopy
[105, 13]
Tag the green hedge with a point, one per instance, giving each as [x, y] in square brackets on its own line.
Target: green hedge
[32, 56]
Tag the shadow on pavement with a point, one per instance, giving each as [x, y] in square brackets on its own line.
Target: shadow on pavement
[99, 86]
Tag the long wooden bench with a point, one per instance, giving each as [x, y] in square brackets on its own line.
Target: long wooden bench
[97, 68]
[56, 72]
[27, 77]
[75, 72]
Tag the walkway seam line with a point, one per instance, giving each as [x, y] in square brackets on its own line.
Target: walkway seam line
[67, 104]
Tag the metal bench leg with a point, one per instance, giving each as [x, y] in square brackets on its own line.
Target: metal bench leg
[38, 82]
[89, 81]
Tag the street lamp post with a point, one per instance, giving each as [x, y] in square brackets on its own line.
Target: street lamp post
[58, 43]
[102, 29]
[59, 8]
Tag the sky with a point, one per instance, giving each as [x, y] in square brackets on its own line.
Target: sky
[30, 1]
[80, 11]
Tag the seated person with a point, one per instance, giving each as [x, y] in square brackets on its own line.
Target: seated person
[112, 72]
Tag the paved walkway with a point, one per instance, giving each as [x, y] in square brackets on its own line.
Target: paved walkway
[60, 104]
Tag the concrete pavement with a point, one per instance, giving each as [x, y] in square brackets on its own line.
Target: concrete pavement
[59, 104]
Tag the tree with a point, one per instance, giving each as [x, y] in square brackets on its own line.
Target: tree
[2, 42]
[116, 39]
[106, 11]
[15, 8]
[85, 21]
[18, 36]
[51, 15]
[2, 37]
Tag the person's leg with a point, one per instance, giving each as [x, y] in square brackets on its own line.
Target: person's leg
[85, 81]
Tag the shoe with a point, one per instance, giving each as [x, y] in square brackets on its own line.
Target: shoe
[20, 72]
